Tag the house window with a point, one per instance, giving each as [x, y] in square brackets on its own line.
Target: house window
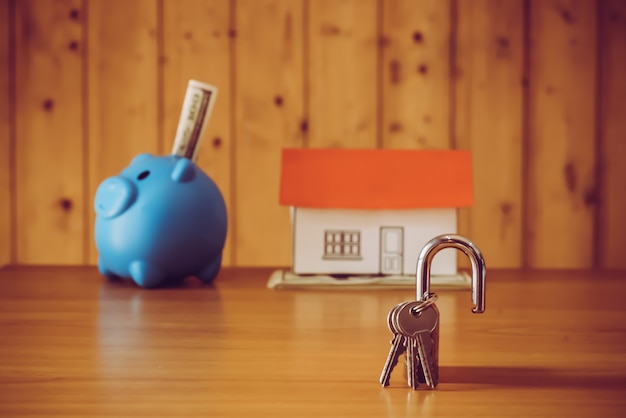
[342, 245]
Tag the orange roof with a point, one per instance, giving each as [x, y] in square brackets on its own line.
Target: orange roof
[376, 179]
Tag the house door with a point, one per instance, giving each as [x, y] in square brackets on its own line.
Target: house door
[391, 249]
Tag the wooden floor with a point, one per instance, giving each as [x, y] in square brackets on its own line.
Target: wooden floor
[551, 344]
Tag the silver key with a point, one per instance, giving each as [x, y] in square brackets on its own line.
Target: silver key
[429, 347]
[415, 374]
[398, 347]
[413, 368]
[412, 363]
[420, 324]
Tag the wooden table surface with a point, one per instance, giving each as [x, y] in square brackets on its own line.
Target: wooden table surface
[74, 345]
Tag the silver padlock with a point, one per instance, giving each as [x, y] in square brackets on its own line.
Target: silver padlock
[428, 370]
[415, 324]
[479, 271]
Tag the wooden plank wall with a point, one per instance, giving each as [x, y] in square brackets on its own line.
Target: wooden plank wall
[611, 222]
[5, 137]
[49, 142]
[269, 110]
[6, 98]
[534, 88]
[562, 180]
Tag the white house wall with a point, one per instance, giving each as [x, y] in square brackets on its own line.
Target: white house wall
[419, 226]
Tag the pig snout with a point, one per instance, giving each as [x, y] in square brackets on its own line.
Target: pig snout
[114, 196]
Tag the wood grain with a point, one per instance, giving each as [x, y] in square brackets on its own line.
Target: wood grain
[489, 122]
[102, 81]
[343, 73]
[5, 136]
[269, 115]
[197, 41]
[561, 166]
[87, 347]
[416, 74]
[122, 90]
[49, 132]
[613, 130]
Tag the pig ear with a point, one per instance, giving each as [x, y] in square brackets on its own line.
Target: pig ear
[140, 157]
[184, 171]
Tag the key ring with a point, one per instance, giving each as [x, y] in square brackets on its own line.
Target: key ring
[432, 298]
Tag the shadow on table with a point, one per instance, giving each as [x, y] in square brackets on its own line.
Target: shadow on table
[528, 376]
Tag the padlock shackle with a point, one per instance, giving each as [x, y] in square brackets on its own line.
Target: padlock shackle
[479, 270]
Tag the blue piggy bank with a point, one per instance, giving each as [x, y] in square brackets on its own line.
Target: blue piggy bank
[160, 220]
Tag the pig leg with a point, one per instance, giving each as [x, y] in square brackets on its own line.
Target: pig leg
[145, 274]
[106, 272]
[208, 274]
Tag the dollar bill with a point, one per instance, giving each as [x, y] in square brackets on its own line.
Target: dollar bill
[194, 117]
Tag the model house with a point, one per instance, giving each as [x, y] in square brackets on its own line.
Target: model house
[370, 211]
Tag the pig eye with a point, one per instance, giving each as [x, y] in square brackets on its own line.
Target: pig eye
[143, 175]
